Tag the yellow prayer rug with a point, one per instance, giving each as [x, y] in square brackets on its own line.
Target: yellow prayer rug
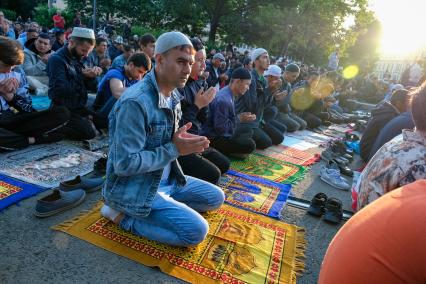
[269, 168]
[241, 247]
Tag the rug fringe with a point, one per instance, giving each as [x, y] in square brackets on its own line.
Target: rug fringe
[299, 260]
[66, 225]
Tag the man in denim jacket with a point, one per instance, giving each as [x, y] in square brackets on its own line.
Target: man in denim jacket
[146, 191]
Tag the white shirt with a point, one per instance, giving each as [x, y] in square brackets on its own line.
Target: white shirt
[168, 167]
[217, 87]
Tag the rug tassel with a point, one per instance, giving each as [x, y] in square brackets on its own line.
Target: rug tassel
[299, 260]
[64, 226]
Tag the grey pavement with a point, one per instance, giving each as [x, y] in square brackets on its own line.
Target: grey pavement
[33, 253]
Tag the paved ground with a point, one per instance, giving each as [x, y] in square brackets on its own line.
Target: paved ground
[33, 253]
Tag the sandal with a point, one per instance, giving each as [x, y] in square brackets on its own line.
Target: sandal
[333, 211]
[317, 207]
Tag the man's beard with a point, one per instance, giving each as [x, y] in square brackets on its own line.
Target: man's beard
[75, 54]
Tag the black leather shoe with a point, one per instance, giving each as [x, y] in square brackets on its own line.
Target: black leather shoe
[317, 207]
[333, 211]
[343, 168]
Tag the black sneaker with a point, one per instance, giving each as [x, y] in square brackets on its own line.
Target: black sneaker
[100, 166]
[333, 211]
[317, 207]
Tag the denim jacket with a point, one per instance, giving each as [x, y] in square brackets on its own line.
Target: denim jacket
[141, 128]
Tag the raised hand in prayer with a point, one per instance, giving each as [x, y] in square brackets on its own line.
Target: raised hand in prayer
[8, 88]
[279, 96]
[203, 98]
[187, 143]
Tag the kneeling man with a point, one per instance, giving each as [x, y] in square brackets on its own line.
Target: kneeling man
[146, 191]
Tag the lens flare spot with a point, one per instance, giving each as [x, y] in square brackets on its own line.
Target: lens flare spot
[350, 72]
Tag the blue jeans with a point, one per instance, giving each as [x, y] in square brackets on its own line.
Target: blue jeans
[174, 217]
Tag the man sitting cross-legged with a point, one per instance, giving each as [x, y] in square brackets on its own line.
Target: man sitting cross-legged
[20, 124]
[145, 190]
[226, 135]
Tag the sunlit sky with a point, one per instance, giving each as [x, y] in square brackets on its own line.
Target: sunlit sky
[403, 23]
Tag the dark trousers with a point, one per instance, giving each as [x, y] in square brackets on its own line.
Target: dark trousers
[208, 166]
[267, 135]
[79, 127]
[241, 143]
[291, 121]
[100, 118]
[15, 129]
[315, 120]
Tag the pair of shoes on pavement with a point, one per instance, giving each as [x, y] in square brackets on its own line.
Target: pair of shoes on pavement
[328, 155]
[69, 194]
[339, 148]
[333, 177]
[331, 208]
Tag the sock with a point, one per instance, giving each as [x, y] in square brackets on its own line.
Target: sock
[109, 213]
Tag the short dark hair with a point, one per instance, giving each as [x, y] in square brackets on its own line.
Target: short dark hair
[44, 36]
[140, 59]
[247, 61]
[81, 40]
[399, 96]
[58, 34]
[128, 47]
[418, 107]
[147, 38]
[100, 40]
[11, 52]
[197, 43]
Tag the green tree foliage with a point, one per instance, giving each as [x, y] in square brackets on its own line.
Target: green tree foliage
[9, 14]
[364, 51]
[22, 8]
[43, 16]
[306, 29]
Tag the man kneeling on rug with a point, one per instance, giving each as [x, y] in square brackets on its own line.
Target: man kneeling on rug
[146, 191]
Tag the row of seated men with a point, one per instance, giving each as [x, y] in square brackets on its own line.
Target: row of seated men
[253, 111]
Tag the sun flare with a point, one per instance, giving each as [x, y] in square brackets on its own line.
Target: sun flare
[402, 23]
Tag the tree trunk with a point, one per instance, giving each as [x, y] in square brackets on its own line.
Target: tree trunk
[214, 24]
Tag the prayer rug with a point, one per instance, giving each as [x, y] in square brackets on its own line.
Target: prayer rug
[98, 144]
[269, 168]
[241, 247]
[254, 194]
[12, 191]
[291, 155]
[47, 165]
[310, 136]
[298, 144]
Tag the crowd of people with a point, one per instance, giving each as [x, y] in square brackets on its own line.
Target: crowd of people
[176, 114]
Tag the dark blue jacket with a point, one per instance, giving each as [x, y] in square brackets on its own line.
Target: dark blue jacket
[391, 130]
[113, 52]
[284, 105]
[212, 80]
[380, 116]
[222, 119]
[190, 112]
[66, 81]
[257, 98]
